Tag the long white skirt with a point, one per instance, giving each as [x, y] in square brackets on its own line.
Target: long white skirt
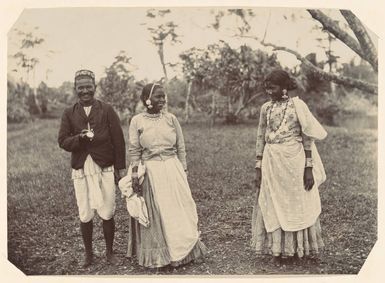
[283, 200]
[177, 209]
[286, 217]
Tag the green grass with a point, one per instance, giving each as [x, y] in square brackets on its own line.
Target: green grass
[43, 225]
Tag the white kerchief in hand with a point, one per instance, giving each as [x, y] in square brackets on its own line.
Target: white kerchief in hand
[136, 205]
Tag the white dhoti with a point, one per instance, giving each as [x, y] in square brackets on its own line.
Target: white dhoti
[94, 190]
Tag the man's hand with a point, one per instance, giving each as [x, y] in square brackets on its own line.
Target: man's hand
[83, 134]
[117, 175]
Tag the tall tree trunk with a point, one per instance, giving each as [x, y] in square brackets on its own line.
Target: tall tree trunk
[187, 101]
[161, 56]
[241, 103]
[331, 26]
[333, 90]
[330, 63]
[34, 89]
[364, 47]
[363, 38]
[229, 105]
[194, 103]
[213, 108]
[33, 107]
[28, 80]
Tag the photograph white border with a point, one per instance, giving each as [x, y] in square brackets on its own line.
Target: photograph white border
[370, 12]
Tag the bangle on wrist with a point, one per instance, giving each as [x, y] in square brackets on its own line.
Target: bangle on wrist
[309, 162]
[258, 163]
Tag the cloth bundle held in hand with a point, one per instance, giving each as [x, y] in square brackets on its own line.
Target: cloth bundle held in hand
[136, 205]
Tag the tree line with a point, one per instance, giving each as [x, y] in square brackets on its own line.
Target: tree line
[219, 81]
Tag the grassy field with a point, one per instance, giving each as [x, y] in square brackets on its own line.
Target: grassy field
[43, 225]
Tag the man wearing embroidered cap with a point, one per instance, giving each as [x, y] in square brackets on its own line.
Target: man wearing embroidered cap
[91, 131]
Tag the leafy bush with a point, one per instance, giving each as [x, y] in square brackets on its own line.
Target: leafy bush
[235, 74]
[119, 88]
[176, 92]
[330, 102]
[17, 110]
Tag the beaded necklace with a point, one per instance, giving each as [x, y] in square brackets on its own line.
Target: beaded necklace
[153, 117]
[283, 120]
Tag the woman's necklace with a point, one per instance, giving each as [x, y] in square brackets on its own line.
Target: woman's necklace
[283, 120]
[153, 116]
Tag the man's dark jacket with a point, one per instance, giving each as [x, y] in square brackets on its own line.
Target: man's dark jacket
[107, 147]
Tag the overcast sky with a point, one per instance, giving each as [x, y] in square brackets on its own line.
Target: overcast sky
[90, 38]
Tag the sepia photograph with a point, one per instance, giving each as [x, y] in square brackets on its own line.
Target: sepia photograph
[198, 141]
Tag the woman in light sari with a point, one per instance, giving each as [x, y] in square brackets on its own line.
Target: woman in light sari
[156, 142]
[289, 170]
